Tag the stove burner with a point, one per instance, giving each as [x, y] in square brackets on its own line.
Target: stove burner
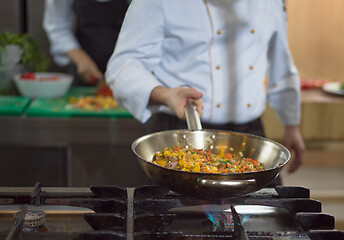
[32, 220]
[223, 221]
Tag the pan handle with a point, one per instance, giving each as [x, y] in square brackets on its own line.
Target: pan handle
[227, 184]
[192, 117]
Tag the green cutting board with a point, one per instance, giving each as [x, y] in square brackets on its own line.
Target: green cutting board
[13, 105]
[59, 107]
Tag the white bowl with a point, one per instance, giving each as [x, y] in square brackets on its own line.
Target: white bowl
[44, 85]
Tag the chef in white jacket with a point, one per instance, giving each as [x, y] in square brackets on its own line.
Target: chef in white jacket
[82, 34]
[216, 53]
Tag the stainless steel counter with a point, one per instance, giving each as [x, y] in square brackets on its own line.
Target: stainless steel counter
[68, 131]
[74, 152]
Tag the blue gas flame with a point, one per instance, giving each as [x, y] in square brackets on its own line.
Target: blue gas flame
[222, 218]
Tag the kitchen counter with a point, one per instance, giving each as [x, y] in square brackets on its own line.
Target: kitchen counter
[69, 151]
[322, 117]
[68, 131]
[319, 96]
[81, 151]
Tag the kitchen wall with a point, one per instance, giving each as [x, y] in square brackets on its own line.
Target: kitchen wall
[316, 37]
[9, 16]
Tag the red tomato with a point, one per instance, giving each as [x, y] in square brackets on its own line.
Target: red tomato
[305, 84]
[28, 76]
[104, 90]
[312, 83]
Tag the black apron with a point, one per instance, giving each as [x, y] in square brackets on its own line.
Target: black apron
[97, 27]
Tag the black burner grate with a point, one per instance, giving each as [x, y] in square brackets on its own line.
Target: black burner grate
[154, 212]
[161, 214]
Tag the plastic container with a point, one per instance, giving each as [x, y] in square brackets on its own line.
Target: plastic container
[43, 84]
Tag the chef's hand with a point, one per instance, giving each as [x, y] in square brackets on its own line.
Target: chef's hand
[86, 68]
[293, 141]
[176, 99]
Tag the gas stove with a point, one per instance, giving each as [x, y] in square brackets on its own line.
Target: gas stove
[153, 212]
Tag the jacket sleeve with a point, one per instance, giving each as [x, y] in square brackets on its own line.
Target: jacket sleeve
[57, 23]
[138, 50]
[283, 88]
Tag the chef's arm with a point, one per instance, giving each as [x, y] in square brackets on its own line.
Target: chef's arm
[292, 139]
[283, 90]
[176, 99]
[57, 23]
[86, 68]
[130, 69]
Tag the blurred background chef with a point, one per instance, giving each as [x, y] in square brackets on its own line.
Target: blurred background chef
[83, 34]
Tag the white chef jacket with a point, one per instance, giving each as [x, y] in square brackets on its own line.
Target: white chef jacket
[222, 48]
[58, 24]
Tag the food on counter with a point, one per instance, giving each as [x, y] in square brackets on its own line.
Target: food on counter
[312, 83]
[104, 90]
[204, 161]
[43, 84]
[93, 103]
[103, 100]
[30, 76]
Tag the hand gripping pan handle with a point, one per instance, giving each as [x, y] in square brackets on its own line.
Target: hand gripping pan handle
[194, 123]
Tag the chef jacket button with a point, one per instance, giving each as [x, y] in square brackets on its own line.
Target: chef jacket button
[218, 67]
[219, 32]
[249, 105]
[253, 31]
[218, 105]
[251, 67]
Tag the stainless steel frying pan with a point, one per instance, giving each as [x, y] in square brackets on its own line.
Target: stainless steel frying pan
[211, 185]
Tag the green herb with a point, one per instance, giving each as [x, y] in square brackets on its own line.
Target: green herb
[227, 161]
[341, 86]
[33, 57]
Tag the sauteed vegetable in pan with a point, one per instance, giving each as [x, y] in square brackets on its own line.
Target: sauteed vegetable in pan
[204, 161]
